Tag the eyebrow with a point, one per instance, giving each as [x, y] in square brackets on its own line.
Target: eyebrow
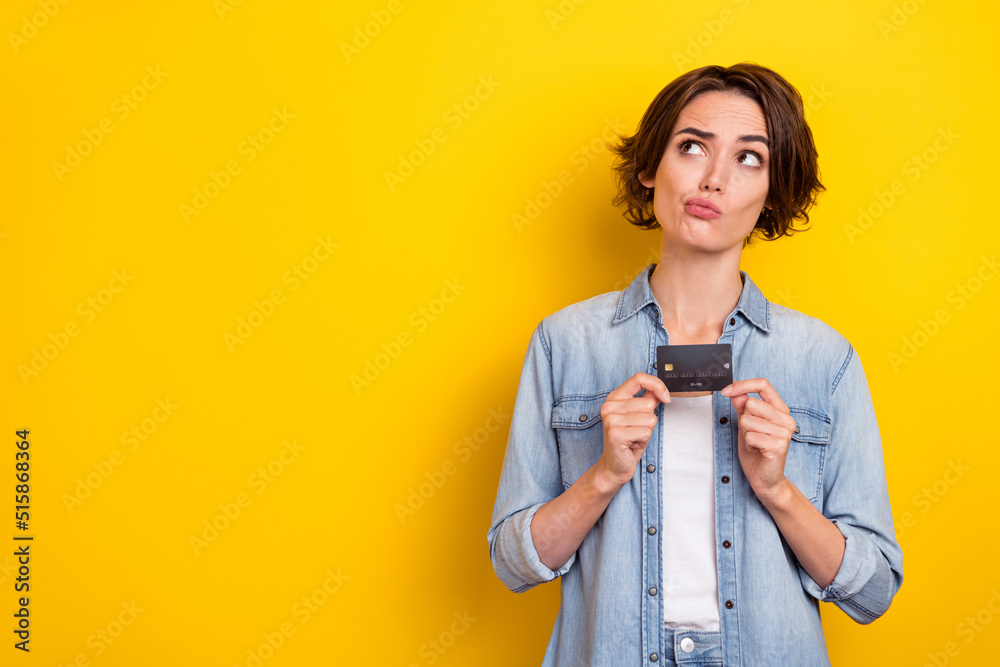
[746, 138]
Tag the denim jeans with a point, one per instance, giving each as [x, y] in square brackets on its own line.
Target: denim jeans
[690, 647]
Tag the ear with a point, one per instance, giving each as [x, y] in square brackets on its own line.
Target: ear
[648, 182]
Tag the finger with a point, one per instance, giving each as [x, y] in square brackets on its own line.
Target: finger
[769, 446]
[758, 408]
[753, 424]
[633, 436]
[646, 403]
[739, 404]
[758, 385]
[640, 381]
[630, 419]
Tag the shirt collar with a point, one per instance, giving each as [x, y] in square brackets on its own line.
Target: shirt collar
[753, 306]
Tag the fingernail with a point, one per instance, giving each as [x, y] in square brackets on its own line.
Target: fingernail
[725, 390]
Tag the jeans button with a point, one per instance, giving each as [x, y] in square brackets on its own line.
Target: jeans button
[687, 644]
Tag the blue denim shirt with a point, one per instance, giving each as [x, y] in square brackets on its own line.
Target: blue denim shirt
[610, 613]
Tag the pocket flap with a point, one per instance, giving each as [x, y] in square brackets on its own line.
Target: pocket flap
[810, 426]
[577, 411]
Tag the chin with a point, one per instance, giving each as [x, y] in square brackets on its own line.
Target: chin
[702, 234]
[711, 243]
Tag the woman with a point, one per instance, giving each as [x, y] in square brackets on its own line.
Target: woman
[699, 527]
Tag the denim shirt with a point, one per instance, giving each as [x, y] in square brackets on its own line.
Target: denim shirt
[610, 611]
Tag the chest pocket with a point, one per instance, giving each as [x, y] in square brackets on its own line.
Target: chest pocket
[579, 433]
[807, 452]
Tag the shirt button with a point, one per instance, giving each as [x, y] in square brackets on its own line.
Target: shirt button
[729, 604]
[687, 644]
[725, 479]
[583, 418]
[653, 657]
[732, 321]
[651, 530]
[652, 590]
[650, 468]
[723, 420]
[726, 544]
[796, 428]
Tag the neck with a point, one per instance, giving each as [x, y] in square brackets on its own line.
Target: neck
[696, 291]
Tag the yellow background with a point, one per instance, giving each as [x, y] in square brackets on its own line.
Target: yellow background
[886, 84]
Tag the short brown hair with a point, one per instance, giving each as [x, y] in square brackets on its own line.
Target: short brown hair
[794, 175]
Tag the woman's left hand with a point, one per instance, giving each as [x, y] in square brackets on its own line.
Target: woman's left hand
[765, 429]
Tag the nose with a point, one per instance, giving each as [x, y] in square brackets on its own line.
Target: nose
[714, 178]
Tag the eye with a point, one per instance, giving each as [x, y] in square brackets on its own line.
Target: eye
[687, 144]
[750, 159]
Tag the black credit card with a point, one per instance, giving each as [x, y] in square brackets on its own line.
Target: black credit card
[695, 367]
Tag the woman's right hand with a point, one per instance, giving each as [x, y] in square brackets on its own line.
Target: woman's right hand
[628, 425]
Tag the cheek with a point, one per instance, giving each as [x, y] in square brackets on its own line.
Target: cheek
[753, 189]
[674, 178]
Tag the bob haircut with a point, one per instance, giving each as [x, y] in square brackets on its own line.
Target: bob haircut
[793, 179]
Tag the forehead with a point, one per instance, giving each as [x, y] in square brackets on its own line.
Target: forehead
[718, 111]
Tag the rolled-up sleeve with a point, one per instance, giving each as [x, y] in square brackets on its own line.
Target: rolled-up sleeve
[530, 476]
[856, 500]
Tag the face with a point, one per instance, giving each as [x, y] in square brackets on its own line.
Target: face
[717, 153]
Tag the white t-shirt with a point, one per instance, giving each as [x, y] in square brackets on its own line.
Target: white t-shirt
[690, 571]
